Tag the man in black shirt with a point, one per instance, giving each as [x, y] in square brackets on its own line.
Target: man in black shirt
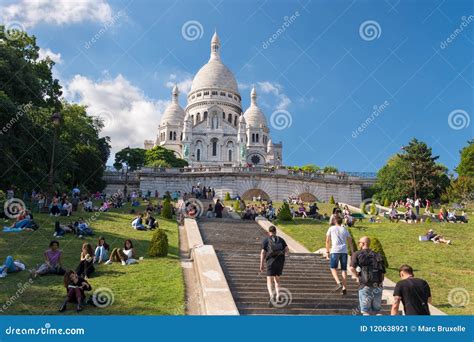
[274, 249]
[414, 293]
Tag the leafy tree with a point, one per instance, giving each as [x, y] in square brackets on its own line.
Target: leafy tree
[466, 165]
[330, 169]
[133, 157]
[386, 202]
[163, 156]
[460, 190]
[331, 200]
[354, 244]
[310, 168]
[376, 246]
[414, 167]
[227, 196]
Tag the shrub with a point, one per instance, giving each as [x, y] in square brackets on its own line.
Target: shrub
[362, 208]
[386, 202]
[227, 197]
[331, 200]
[376, 246]
[159, 244]
[285, 213]
[354, 244]
[373, 209]
[236, 206]
[167, 210]
[428, 220]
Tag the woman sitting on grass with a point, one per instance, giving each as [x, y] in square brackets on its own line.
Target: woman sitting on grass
[137, 222]
[55, 211]
[75, 287]
[53, 262]
[86, 265]
[101, 251]
[125, 255]
[150, 221]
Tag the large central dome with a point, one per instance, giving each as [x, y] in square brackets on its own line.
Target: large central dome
[214, 74]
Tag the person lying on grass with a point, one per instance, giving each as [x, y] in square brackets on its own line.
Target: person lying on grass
[11, 266]
[52, 262]
[125, 255]
[436, 238]
[75, 287]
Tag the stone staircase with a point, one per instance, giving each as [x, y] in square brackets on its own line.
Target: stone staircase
[309, 286]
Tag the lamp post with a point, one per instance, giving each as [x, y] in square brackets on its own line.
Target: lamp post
[56, 119]
[414, 180]
[126, 174]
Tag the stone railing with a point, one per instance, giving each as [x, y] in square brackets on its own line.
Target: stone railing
[264, 170]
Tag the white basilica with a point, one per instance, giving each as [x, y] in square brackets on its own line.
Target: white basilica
[212, 130]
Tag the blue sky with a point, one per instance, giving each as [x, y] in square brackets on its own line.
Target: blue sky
[322, 69]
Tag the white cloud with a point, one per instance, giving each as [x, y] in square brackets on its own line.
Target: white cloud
[130, 117]
[184, 85]
[275, 89]
[58, 12]
[55, 57]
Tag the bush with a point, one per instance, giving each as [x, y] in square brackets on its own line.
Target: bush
[227, 197]
[159, 244]
[285, 213]
[362, 208]
[331, 200]
[386, 202]
[373, 209]
[167, 210]
[428, 220]
[376, 246]
[236, 206]
[354, 244]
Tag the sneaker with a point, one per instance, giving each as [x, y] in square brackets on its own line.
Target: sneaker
[108, 262]
[123, 263]
[338, 287]
[271, 301]
[344, 292]
[449, 242]
[55, 234]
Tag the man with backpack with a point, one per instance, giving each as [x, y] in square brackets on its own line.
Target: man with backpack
[274, 249]
[369, 268]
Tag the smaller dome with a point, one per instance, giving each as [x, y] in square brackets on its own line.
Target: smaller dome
[253, 115]
[173, 114]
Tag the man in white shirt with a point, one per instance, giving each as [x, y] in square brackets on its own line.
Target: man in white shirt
[337, 238]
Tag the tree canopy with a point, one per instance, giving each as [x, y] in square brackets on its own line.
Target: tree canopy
[29, 95]
[414, 168]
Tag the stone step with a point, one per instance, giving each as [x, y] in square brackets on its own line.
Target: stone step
[285, 311]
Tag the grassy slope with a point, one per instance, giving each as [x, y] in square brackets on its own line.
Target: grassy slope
[444, 267]
[155, 286]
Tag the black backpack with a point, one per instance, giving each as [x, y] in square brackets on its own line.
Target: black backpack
[372, 268]
[275, 247]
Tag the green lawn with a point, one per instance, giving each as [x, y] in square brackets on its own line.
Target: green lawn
[444, 267]
[155, 286]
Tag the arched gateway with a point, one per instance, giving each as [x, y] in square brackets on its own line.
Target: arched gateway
[251, 193]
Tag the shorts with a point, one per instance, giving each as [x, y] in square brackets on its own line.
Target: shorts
[370, 299]
[275, 266]
[336, 258]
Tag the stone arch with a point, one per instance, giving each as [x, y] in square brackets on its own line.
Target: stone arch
[307, 197]
[255, 192]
